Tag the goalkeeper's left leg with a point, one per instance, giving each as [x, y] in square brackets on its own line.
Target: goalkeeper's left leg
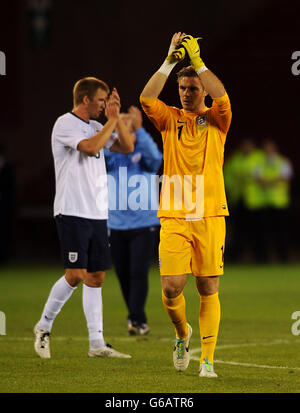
[209, 317]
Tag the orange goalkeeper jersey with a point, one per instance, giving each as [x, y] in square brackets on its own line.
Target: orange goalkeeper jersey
[192, 184]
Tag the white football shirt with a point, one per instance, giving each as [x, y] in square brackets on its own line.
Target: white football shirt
[81, 180]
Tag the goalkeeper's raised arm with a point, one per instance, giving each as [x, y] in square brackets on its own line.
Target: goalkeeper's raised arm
[212, 85]
[181, 45]
[158, 80]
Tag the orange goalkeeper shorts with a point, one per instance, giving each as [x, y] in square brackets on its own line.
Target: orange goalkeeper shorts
[195, 247]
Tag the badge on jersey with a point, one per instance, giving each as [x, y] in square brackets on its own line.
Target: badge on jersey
[73, 256]
[201, 121]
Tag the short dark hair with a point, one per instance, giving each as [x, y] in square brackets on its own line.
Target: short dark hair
[188, 71]
[87, 86]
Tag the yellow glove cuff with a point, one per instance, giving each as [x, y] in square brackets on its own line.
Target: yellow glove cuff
[197, 63]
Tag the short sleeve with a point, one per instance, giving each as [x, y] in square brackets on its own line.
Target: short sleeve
[66, 133]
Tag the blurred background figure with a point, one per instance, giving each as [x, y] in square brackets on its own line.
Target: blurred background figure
[275, 177]
[7, 205]
[134, 226]
[246, 201]
[258, 190]
[234, 191]
[39, 14]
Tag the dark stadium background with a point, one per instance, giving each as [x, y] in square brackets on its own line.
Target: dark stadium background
[247, 44]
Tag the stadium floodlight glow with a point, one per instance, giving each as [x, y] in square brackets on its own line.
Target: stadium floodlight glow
[2, 64]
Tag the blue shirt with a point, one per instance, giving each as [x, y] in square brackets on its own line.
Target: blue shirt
[133, 184]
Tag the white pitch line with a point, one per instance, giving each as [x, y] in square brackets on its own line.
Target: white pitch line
[254, 344]
[166, 339]
[52, 338]
[263, 366]
[250, 344]
[59, 338]
[236, 363]
[192, 351]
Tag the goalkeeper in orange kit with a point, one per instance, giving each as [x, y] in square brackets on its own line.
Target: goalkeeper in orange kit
[192, 210]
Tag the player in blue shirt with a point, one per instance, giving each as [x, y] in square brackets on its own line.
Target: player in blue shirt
[132, 221]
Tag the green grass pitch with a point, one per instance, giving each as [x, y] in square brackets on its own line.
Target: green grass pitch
[256, 350]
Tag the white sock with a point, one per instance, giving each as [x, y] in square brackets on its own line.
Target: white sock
[59, 295]
[92, 307]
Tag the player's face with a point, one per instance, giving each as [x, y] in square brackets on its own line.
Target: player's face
[191, 93]
[97, 105]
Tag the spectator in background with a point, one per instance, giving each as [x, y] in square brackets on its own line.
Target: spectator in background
[133, 228]
[39, 23]
[275, 175]
[246, 196]
[7, 205]
[258, 190]
[233, 178]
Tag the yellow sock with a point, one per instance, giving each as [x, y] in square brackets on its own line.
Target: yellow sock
[175, 308]
[209, 320]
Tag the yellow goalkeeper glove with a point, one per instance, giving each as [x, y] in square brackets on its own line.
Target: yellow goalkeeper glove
[192, 47]
[170, 61]
[175, 54]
